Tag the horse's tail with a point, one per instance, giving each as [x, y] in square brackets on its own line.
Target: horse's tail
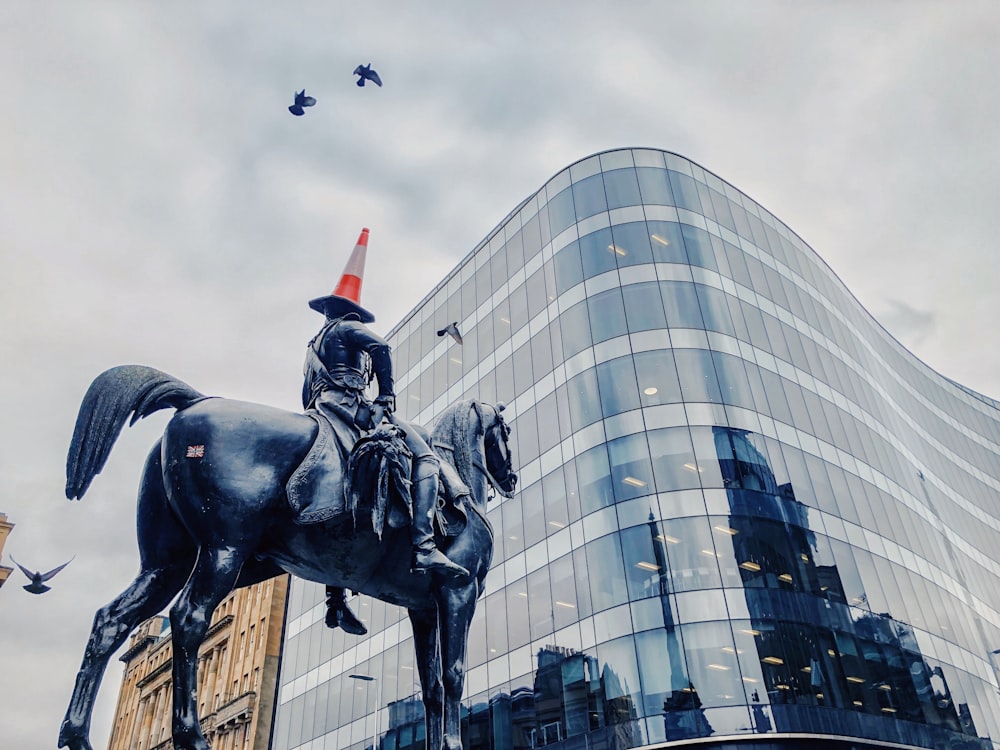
[111, 398]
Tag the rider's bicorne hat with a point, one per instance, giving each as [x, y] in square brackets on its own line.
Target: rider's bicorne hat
[346, 297]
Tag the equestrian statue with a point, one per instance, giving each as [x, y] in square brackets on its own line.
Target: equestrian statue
[345, 494]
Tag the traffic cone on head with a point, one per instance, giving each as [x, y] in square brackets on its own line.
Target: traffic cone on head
[346, 296]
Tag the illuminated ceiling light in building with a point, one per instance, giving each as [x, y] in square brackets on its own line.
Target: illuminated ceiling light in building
[718, 667]
[751, 680]
[726, 530]
[648, 566]
[856, 680]
[456, 361]
[617, 250]
[750, 565]
[659, 240]
[775, 660]
[750, 631]
[567, 605]
[693, 467]
[505, 320]
[710, 553]
[786, 577]
[557, 524]
[668, 539]
[651, 391]
[889, 710]
[633, 482]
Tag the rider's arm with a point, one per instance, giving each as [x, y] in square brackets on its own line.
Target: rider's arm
[359, 335]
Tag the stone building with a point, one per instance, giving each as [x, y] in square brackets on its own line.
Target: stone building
[237, 675]
[5, 529]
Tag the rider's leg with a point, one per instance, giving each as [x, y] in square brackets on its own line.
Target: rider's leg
[426, 555]
[338, 614]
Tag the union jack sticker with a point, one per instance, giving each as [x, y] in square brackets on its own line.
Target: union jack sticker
[195, 451]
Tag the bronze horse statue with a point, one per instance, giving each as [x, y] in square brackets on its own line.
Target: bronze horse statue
[213, 515]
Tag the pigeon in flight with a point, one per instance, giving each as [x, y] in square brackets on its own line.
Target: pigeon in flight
[37, 585]
[301, 100]
[367, 74]
[452, 330]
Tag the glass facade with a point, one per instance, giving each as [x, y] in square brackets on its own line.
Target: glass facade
[746, 512]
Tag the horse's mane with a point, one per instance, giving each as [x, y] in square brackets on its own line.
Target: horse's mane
[452, 429]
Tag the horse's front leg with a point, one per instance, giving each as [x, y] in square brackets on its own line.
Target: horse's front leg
[457, 606]
[213, 578]
[428, 653]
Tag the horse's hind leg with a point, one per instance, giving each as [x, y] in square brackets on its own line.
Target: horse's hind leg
[167, 558]
[214, 576]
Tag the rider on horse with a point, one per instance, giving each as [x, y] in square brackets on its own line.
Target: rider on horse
[340, 361]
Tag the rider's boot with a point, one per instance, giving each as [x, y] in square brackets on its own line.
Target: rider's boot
[339, 615]
[427, 558]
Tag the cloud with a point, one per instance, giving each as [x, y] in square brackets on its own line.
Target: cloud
[164, 208]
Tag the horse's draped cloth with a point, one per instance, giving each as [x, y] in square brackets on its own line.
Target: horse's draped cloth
[316, 488]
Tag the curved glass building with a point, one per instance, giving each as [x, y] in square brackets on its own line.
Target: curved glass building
[748, 517]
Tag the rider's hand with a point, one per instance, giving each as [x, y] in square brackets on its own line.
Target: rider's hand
[382, 407]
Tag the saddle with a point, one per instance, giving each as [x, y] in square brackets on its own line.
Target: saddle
[376, 474]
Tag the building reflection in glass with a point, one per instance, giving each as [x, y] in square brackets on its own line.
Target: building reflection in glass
[810, 656]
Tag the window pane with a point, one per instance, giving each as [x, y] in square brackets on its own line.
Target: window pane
[622, 188]
[657, 376]
[574, 325]
[654, 187]
[607, 315]
[697, 374]
[631, 242]
[674, 465]
[667, 242]
[598, 253]
[681, 304]
[691, 554]
[685, 191]
[588, 195]
[594, 477]
[568, 268]
[644, 307]
[616, 379]
[561, 213]
[584, 399]
[631, 473]
[605, 571]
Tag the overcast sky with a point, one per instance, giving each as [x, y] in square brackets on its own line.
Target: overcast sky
[161, 206]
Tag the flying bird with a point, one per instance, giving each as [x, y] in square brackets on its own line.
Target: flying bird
[37, 585]
[452, 330]
[301, 100]
[367, 74]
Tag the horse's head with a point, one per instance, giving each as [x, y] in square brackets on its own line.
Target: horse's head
[496, 443]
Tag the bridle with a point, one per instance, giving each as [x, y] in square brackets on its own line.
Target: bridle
[496, 435]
